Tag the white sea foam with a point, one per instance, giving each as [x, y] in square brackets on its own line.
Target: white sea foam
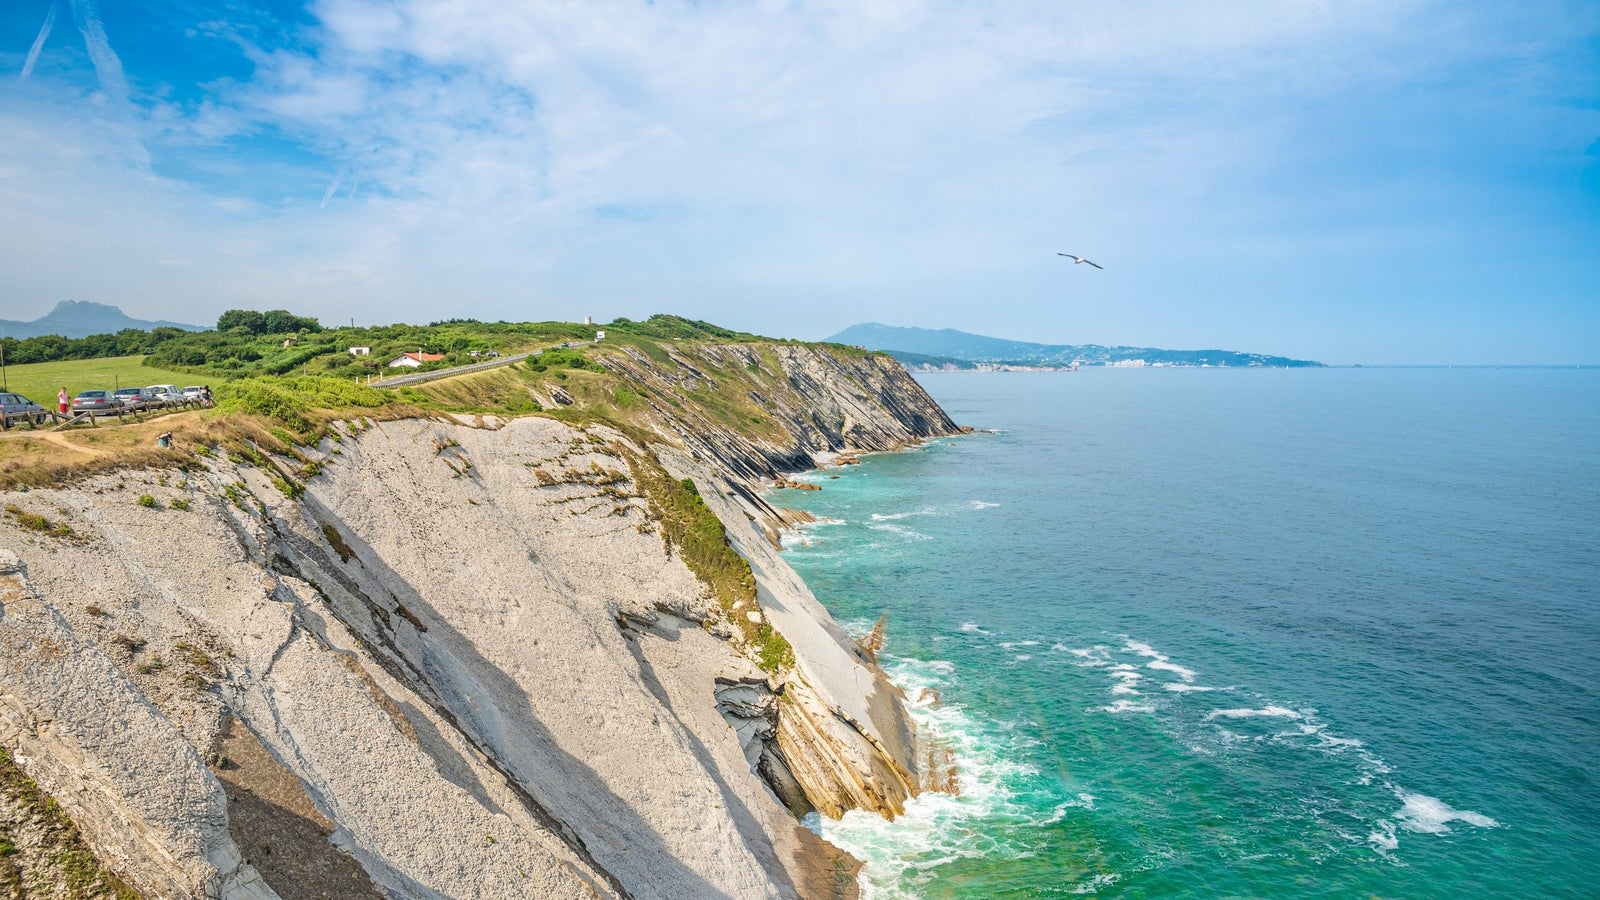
[902, 531]
[1430, 815]
[801, 535]
[1023, 657]
[1269, 711]
[1160, 660]
[1127, 679]
[1383, 837]
[972, 628]
[1174, 668]
[1092, 657]
[1093, 885]
[892, 517]
[1184, 688]
[1122, 706]
[982, 504]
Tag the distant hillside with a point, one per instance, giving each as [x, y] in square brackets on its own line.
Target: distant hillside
[949, 348]
[81, 318]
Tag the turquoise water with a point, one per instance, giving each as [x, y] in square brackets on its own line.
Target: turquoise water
[1212, 633]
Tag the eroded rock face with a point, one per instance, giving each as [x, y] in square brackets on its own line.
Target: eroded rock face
[842, 731]
[821, 400]
[76, 725]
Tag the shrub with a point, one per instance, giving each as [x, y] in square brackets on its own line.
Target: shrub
[288, 400]
[36, 522]
[148, 502]
[180, 504]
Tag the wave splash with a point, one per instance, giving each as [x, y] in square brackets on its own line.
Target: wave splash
[999, 814]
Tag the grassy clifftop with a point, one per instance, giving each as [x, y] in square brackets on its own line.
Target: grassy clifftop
[757, 407]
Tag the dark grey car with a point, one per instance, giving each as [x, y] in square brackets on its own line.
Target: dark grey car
[132, 398]
[15, 409]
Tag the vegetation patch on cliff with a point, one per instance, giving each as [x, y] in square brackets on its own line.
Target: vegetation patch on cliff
[695, 533]
[41, 852]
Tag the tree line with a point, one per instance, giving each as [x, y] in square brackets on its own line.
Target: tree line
[238, 323]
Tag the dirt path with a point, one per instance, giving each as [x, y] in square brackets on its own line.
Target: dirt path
[61, 440]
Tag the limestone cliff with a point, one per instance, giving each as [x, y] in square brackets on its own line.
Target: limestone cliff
[454, 657]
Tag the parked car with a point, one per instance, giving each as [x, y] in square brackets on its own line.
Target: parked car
[131, 398]
[166, 394]
[16, 408]
[96, 402]
[193, 392]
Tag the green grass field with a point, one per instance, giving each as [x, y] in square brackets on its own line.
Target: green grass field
[40, 381]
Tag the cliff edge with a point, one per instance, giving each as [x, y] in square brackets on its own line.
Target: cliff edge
[453, 655]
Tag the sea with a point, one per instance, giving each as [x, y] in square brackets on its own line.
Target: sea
[1214, 633]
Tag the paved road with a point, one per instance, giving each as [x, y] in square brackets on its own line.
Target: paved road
[420, 377]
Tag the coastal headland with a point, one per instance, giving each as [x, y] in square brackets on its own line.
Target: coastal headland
[520, 632]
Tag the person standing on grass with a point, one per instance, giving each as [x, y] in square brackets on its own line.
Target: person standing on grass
[63, 401]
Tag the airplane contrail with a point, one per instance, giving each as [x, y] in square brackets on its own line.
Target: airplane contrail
[38, 43]
[334, 186]
[106, 64]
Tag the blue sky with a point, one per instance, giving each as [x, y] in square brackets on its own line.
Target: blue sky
[1376, 182]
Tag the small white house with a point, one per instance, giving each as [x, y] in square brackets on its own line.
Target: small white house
[599, 336]
[360, 351]
[412, 360]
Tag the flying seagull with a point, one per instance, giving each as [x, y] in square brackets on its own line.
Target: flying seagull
[1078, 259]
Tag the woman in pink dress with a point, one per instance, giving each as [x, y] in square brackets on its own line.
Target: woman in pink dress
[63, 401]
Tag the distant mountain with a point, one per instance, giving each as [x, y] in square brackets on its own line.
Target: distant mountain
[925, 348]
[80, 318]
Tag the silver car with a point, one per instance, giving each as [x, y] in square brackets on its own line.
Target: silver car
[93, 402]
[15, 408]
[131, 398]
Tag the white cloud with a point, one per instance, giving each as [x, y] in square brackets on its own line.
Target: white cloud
[624, 157]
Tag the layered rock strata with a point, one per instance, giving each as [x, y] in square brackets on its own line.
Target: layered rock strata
[460, 663]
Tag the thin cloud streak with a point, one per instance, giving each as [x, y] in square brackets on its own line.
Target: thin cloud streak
[38, 43]
[333, 186]
[107, 65]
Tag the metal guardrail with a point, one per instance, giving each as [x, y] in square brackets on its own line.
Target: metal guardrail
[93, 417]
[403, 380]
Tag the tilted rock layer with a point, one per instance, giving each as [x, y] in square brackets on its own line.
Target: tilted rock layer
[462, 663]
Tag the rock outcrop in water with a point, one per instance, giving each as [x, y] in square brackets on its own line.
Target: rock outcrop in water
[458, 662]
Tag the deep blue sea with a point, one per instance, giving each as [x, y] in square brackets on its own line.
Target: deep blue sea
[1220, 633]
